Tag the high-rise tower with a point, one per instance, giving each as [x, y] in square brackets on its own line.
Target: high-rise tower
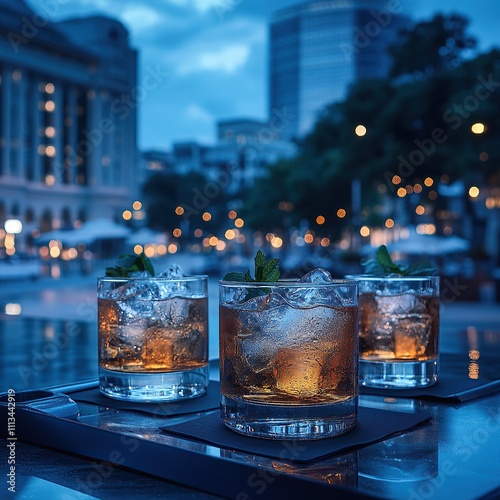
[318, 48]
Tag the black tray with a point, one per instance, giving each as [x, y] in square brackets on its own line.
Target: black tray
[96, 434]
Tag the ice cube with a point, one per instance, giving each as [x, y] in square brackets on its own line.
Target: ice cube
[262, 333]
[396, 304]
[411, 336]
[260, 325]
[173, 347]
[136, 309]
[174, 288]
[140, 274]
[173, 312]
[297, 371]
[263, 301]
[312, 296]
[123, 345]
[136, 290]
[158, 350]
[340, 366]
[318, 275]
[405, 345]
[173, 271]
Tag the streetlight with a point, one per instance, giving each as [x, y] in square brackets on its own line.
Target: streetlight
[13, 226]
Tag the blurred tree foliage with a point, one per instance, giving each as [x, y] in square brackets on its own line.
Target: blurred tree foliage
[432, 46]
[418, 122]
[164, 193]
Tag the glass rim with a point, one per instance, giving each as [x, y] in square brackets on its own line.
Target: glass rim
[124, 279]
[287, 283]
[371, 277]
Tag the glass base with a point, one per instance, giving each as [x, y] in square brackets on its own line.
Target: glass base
[153, 387]
[275, 421]
[397, 375]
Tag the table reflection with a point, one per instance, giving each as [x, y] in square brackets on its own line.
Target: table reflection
[410, 458]
[339, 470]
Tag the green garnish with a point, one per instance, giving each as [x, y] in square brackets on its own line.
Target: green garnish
[130, 263]
[265, 271]
[383, 265]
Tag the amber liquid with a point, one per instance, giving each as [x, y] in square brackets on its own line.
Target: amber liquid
[289, 355]
[398, 327]
[153, 336]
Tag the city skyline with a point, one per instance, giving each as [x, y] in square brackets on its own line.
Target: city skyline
[213, 56]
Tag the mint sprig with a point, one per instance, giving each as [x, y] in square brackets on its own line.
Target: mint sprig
[383, 265]
[265, 271]
[130, 263]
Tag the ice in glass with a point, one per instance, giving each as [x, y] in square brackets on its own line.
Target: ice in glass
[288, 357]
[153, 337]
[398, 330]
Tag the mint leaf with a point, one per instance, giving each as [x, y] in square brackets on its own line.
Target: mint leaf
[373, 267]
[130, 263]
[384, 258]
[423, 268]
[146, 264]
[270, 270]
[248, 277]
[264, 271]
[273, 276]
[234, 276]
[259, 260]
[383, 266]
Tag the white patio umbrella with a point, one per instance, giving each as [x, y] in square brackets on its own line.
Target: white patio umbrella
[146, 236]
[98, 229]
[429, 245]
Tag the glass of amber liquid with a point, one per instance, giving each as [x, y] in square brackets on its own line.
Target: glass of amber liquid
[153, 338]
[398, 331]
[289, 357]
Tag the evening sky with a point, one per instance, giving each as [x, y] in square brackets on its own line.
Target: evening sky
[214, 53]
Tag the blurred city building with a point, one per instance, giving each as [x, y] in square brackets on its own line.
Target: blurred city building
[152, 162]
[244, 149]
[318, 48]
[67, 119]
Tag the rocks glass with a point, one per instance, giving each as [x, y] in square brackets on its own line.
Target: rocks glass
[153, 338]
[288, 358]
[398, 330]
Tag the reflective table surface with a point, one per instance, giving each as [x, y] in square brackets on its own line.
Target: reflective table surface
[456, 456]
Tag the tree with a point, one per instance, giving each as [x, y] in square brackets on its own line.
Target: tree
[415, 128]
[165, 193]
[433, 46]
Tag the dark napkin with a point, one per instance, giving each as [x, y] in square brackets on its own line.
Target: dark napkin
[448, 388]
[373, 426]
[209, 401]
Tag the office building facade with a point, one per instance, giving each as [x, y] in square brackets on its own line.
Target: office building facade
[67, 119]
[319, 48]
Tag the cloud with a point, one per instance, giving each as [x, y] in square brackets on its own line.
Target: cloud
[139, 18]
[217, 64]
[200, 5]
[227, 59]
[197, 112]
